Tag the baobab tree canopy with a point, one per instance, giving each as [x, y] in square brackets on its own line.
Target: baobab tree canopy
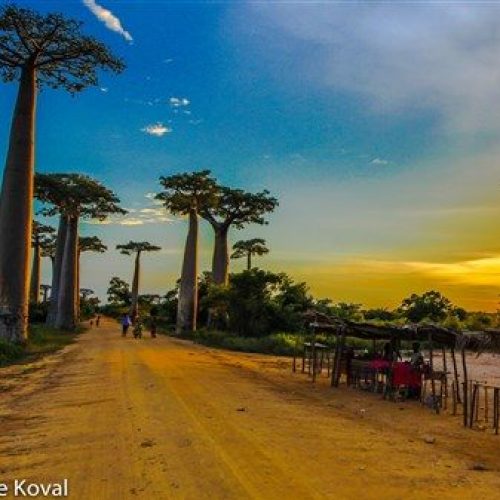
[189, 191]
[76, 195]
[41, 234]
[255, 246]
[137, 246]
[235, 207]
[91, 244]
[54, 47]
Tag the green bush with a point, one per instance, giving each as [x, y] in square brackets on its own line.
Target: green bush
[10, 352]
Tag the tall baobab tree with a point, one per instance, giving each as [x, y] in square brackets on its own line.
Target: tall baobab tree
[188, 194]
[37, 50]
[249, 248]
[234, 208]
[40, 236]
[137, 248]
[87, 244]
[73, 196]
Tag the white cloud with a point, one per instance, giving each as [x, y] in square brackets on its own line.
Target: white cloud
[399, 57]
[104, 89]
[380, 161]
[178, 102]
[108, 18]
[156, 129]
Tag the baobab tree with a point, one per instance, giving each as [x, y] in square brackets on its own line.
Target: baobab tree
[87, 244]
[40, 235]
[188, 194]
[37, 50]
[73, 196]
[249, 248]
[234, 208]
[137, 248]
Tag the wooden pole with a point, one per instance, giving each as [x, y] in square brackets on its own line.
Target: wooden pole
[445, 379]
[455, 372]
[473, 405]
[313, 355]
[486, 403]
[496, 397]
[335, 357]
[431, 364]
[465, 385]
[454, 398]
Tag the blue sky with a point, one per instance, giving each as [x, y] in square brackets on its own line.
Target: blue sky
[376, 125]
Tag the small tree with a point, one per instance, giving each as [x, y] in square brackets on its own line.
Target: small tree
[249, 248]
[234, 208]
[137, 248]
[45, 291]
[40, 236]
[118, 291]
[188, 194]
[430, 305]
[36, 50]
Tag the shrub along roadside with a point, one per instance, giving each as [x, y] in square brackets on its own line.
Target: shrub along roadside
[42, 340]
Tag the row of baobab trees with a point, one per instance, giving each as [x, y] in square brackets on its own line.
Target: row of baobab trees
[50, 50]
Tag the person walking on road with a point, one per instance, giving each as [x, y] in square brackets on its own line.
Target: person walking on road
[153, 326]
[98, 321]
[126, 322]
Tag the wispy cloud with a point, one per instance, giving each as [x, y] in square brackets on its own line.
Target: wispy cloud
[156, 129]
[379, 161]
[398, 57]
[179, 102]
[108, 18]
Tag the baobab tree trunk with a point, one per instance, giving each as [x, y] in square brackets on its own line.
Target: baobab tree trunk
[249, 261]
[16, 213]
[188, 293]
[220, 260]
[134, 306]
[66, 309]
[35, 275]
[56, 270]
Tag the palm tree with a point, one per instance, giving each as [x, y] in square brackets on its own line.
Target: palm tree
[37, 50]
[73, 196]
[40, 236]
[248, 248]
[235, 208]
[187, 194]
[137, 248]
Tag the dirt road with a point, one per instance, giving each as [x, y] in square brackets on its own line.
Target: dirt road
[161, 418]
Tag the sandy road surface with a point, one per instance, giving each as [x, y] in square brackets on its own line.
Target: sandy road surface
[160, 418]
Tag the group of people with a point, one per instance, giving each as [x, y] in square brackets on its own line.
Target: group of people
[138, 326]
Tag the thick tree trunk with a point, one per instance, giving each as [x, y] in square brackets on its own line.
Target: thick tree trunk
[249, 261]
[16, 201]
[66, 309]
[188, 292]
[220, 260]
[134, 306]
[56, 270]
[35, 275]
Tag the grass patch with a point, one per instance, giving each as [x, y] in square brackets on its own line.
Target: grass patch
[279, 344]
[41, 340]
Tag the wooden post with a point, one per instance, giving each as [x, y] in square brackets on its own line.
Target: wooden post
[295, 348]
[339, 360]
[473, 405]
[445, 379]
[313, 355]
[496, 397]
[335, 357]
[454, 398]
[455, 372]
[486, 402]
[465, 385]
[433, 381]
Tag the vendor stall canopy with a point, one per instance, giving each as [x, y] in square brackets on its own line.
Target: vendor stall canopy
[487, 340]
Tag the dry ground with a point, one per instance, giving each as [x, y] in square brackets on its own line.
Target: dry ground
[161, 418]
